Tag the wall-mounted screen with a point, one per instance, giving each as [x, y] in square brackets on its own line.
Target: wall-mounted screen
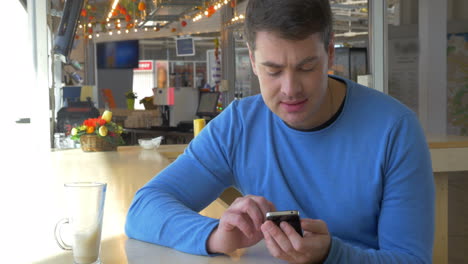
[185, 47]
[117, 54]
[63, 41]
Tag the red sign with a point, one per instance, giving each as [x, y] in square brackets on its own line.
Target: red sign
[145, 65]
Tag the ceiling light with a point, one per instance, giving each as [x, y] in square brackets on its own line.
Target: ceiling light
[114, 5]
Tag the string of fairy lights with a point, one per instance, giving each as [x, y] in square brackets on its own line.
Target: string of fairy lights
[126, 17]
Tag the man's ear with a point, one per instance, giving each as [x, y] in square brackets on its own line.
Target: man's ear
[252, 59]
[331, 50]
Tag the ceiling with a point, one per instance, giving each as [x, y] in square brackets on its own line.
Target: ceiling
[350, 16]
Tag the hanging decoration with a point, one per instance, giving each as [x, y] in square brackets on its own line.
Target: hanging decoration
[124, 16]
[141, 5]
[209, 9]
[142, 9]
[216, 70]
[216, 51]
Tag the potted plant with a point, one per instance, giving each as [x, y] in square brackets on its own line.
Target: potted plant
[131, 96]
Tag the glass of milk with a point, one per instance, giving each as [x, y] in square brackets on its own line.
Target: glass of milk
[85, 203]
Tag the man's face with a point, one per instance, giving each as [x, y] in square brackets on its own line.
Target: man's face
[293, 77]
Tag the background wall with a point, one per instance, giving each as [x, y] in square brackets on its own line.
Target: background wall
[119, 81]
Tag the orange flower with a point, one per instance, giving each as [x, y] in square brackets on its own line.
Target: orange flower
[94, 122]
[89, 129]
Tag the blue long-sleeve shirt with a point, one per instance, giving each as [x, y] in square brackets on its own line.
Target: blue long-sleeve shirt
[368, 175]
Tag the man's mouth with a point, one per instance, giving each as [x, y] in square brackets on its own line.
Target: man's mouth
[293, 106]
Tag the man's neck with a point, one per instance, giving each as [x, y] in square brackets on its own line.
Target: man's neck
[337, 92]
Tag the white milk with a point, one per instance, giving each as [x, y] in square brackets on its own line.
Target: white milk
[86, 245]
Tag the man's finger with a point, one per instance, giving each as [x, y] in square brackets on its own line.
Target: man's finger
[280, 238]
[314, 226]
[232, 219]
[255, 206]
[273, 247]
[265, 205]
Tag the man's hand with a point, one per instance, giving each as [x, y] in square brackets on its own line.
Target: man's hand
[285, 243]
[239, 226]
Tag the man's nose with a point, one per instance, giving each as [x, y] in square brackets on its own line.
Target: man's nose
[290, 85]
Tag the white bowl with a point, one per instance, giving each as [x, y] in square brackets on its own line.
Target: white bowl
[150, 143]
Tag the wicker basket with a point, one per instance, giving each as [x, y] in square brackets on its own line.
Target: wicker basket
[94, 143]
[149, 105]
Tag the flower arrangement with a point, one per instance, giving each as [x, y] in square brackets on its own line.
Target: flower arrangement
[148, 99]
[148, 102]
[101, 127]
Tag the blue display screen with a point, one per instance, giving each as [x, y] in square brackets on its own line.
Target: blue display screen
[185, 47]
[117, 55]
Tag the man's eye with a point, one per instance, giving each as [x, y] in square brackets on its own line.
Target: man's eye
[273, 73]
[308, 69]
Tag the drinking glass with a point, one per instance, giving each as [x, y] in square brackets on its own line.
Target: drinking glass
[85, 203]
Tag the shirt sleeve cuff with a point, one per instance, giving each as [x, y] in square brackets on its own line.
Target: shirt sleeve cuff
[333, 254]
[212, 227]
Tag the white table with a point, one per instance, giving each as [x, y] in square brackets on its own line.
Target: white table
[32, 196]
[121, 250]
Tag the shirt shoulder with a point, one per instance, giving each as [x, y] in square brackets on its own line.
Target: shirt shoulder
[248, 109]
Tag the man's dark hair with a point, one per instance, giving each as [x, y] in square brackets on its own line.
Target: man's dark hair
[289, 19]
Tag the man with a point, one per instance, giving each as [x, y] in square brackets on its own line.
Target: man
[352, 160]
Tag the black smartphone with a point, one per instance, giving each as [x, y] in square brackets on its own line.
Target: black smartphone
[292, 217]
